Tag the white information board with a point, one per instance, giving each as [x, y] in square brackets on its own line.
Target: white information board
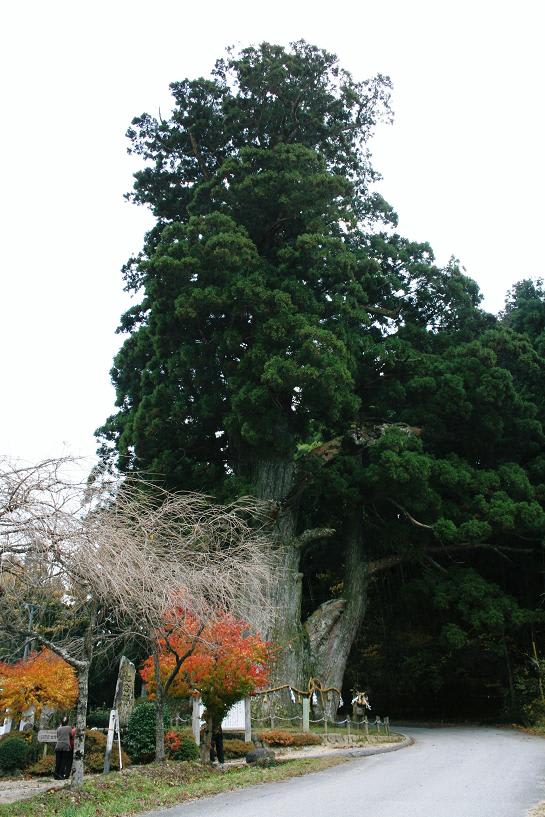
[235, 717]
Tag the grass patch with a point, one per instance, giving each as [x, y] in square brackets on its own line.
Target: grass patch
[538, 811]
[137, 790]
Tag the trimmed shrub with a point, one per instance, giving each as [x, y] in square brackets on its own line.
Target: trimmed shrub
[94, 761]
[180, 745]
[236, 748]
[43, 768]
[306, 739]
[279, 737]
[95, 749]
[141, 732]
[99, 718]
[95, 741]
[15, 753]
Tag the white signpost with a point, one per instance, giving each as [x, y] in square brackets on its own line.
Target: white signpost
[47, 736]
[113, 727]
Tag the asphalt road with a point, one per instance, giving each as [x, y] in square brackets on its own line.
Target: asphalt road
[451, 772]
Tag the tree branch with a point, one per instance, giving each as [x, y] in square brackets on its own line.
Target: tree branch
[387, 562]
[31, 635]
[408, 515]
[180, 658]
[384, 313]
[311, 535]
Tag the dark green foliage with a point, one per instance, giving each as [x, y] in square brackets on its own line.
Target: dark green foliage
[259, 315]
[99, 718]
[259, 98]
[446, 645]
[534, 712]
[140, 743]
[15, 753]
[279, 311]
[525, 311]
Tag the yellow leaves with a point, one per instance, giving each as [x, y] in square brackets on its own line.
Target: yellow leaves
[43, 679]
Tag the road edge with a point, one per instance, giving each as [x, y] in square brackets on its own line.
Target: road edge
[376, 750]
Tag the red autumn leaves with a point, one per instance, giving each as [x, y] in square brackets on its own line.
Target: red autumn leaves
[226, 664]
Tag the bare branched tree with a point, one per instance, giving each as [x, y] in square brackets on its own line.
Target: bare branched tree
[161, 559]
[42, 522]
[79, 565]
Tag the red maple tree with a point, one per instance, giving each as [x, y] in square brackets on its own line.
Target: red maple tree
[226, 664]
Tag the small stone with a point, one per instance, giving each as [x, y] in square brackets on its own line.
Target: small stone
[261, 757]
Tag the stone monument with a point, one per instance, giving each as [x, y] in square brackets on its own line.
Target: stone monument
[124, 690]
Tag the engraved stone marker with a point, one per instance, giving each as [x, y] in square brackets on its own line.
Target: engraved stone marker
[124, 691]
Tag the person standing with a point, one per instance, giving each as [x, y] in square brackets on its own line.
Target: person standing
[216, 744]
[63, 751]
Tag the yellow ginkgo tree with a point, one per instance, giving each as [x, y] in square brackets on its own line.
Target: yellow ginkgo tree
[42, 679]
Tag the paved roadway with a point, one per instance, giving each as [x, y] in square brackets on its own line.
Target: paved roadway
[451, 772]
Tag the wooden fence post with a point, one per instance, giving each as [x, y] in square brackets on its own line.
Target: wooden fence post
[196, 720]
[247, 719]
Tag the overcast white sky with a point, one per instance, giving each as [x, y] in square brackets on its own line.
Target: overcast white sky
[463, 163]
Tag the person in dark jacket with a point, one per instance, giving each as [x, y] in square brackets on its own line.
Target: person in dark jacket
[216, 745]
[63, 751]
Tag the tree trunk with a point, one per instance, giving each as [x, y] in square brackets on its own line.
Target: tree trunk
[274, 480]
[81, 723]
[159, 708]
[321, 646]
[82, 669]
[333, 626]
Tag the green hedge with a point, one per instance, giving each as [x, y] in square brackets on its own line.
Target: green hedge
[99, 718]
[140, 742]
[15, 753]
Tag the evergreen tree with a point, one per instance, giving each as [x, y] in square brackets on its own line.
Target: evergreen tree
[289, 342]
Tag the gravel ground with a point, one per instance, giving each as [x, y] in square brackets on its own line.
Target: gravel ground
[13, 790]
